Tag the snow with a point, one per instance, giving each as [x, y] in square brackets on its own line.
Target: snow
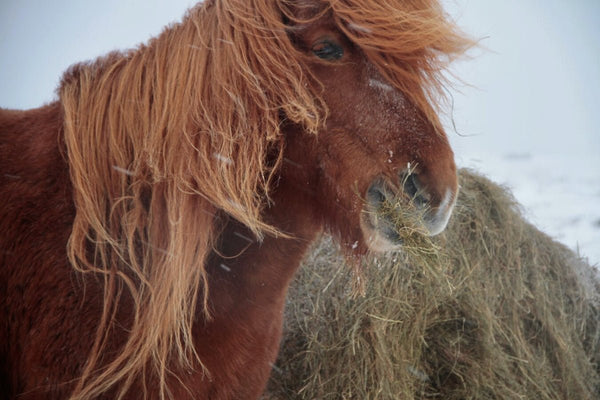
[223, 159]
[560, 194]
[358, 28]
[376, 83]
[225, 268]
[123, 170]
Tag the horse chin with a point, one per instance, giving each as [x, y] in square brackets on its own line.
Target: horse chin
[379, 234]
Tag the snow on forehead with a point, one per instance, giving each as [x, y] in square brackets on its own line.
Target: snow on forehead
[376, 81]
[379, 84]
[358, 28]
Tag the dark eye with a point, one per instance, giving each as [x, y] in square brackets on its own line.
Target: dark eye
[328, 50]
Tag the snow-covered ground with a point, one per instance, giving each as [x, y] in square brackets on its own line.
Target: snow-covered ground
[530, 121]
[560, 194]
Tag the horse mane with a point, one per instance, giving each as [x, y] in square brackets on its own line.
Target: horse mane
[411, 42]
[163, 139]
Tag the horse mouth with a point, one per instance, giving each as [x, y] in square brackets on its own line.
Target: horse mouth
[378, 227]
[392, 215]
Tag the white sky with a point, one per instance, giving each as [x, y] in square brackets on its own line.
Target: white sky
[538, 80]
[535, 96]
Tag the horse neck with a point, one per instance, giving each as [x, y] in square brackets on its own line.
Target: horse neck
[260, 271]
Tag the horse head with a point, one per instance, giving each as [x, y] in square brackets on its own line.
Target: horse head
[376, 144]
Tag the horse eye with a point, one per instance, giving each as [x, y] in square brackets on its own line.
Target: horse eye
[328, 50]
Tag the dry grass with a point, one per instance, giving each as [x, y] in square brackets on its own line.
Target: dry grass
[492, 309]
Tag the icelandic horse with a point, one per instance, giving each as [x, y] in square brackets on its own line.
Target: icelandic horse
[153, 216]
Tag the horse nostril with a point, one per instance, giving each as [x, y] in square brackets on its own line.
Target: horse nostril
[379, 192]
[410, 185]
[412, 188]
[375, 195]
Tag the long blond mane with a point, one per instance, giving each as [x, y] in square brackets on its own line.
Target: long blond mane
[164, 138]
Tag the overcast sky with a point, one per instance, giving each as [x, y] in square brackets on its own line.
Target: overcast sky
[538, 79]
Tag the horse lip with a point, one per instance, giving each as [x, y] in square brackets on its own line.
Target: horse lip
[390, 234]
[379, 233]
[378, 193]
[381, 226]
[384, 226]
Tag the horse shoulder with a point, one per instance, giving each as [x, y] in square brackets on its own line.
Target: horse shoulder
[36, 213]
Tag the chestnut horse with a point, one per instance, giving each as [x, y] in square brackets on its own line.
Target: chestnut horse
[153, 216]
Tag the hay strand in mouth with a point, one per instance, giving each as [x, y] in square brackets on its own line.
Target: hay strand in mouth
[495, 310]
[407, 221]
[406, 218]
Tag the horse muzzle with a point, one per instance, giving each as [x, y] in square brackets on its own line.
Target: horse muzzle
[387, 206]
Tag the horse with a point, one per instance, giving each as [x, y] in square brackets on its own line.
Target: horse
[154, 214]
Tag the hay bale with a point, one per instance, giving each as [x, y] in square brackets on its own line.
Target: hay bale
[497, 310]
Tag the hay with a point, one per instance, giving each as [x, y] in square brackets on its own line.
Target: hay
[494, 309]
